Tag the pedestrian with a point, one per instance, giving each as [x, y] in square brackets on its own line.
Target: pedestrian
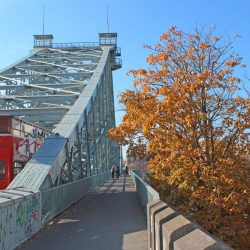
[126, 170]
[117, 172]
[113, 171]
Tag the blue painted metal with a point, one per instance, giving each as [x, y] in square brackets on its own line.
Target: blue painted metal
[56, 199]
[144, 191]
[79, 144]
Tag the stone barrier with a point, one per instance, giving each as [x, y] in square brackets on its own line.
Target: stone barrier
[169, 230]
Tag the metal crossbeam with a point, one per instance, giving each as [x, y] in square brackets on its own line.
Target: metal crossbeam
[33, 111]
[69, 91]
[61, 66]
[59, 97]
[64, 85]
[48, 78]
[64, 93]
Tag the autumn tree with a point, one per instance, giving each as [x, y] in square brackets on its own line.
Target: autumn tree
[187, 117]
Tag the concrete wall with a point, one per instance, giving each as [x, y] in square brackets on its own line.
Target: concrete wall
[20, 216]
[168, 229]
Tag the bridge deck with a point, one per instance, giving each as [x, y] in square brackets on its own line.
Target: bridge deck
[109, 218]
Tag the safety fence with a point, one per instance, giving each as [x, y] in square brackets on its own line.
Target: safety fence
[24, 212]
[75, 45]
[57, 199]
[144, 191]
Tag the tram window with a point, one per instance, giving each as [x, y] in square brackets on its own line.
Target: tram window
[5, 124]
[18, 166]
[2, 169]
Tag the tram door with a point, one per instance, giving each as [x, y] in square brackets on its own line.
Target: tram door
[6, 151]
[6, 160]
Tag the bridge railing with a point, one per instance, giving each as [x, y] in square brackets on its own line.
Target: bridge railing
[57, 199]
[144, 191]
[76, 45]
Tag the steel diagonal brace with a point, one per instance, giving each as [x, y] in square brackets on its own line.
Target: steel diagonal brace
[64, 63]
[74, 59]
[60, 66]
[38, 96]
[35, 111]
[50, 75]
[63, 85]
[39, 87]
[26, 100]
[74, 53]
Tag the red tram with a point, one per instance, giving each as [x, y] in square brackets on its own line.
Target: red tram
[19, 140]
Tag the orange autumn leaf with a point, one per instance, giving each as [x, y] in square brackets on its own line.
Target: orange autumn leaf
[186, 119]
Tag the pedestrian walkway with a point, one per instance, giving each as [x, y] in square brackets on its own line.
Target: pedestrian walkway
[109, 218]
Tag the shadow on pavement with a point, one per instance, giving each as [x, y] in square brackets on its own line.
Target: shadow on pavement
[108, 218]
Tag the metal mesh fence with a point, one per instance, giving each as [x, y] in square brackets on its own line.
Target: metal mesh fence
[57, 199]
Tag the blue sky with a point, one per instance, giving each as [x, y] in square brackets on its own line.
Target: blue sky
[137, 22]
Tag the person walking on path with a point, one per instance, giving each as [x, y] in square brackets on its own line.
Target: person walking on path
[113, 171]
[126, 170]
[117, 172]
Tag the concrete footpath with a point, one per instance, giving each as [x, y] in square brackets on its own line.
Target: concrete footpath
[110, 218]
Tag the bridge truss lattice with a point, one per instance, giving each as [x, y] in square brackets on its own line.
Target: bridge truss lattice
[66, 89]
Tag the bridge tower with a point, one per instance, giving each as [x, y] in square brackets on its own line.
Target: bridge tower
[67, 89]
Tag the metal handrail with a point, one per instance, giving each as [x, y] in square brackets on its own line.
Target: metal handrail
[76, 45]
[144, 191]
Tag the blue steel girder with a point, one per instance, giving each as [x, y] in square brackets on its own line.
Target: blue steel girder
[69, 92]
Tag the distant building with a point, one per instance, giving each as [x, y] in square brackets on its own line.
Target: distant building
[135, 162]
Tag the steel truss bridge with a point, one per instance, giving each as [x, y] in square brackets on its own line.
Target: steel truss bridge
[65, 88]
